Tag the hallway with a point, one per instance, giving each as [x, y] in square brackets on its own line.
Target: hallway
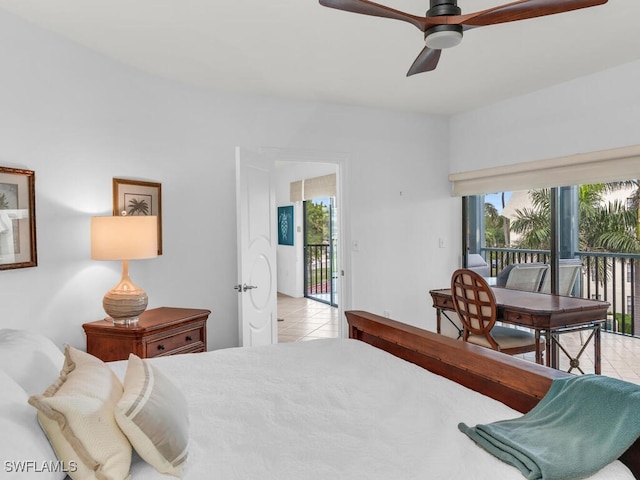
[304, 319]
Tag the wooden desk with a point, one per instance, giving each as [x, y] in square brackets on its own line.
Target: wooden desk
[548, 315]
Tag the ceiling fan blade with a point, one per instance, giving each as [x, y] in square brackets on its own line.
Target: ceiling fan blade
[522, 10]
[425, 62]
[374, 9]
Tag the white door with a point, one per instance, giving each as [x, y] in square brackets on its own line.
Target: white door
[257, 241]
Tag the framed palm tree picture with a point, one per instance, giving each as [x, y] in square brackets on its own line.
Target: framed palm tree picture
[135, 197]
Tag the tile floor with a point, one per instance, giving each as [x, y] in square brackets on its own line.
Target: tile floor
[304, 319]
[620, 355]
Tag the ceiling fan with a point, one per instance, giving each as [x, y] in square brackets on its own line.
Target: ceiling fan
[444, 23]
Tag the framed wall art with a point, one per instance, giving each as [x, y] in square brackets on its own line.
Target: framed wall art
[285, 225]
[17, 218]
[134, 197]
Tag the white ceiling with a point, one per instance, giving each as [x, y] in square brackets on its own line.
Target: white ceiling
[300, 49]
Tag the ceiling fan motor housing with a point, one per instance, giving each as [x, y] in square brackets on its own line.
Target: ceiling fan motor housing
[443, 7]
[443, 36]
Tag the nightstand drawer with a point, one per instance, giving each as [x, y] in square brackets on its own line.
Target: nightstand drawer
[185, 340]
[159, 332]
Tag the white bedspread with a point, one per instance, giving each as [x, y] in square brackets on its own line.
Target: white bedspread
[329, 409]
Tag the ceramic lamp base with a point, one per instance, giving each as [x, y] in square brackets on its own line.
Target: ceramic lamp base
[125, 302]
[125, 307]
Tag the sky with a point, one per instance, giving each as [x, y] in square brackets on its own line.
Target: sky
[496, 199]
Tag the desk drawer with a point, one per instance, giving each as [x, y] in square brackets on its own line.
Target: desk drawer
[517, 318]
[445, 303]
[176, 341]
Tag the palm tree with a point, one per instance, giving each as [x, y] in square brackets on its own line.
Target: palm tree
[602, 227]
[138, 207]
[4, 203]
[493, 226]
[534, 223]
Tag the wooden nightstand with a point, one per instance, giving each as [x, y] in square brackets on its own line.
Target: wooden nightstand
[159, 332]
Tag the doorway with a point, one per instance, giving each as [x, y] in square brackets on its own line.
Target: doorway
[308, 292]
[282, 170]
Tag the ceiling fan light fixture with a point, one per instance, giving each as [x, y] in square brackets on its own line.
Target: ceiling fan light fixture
[444, 23]
[443, 39]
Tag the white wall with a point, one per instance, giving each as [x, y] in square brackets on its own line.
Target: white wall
[79, 119]
[397, 220]
[592, 113]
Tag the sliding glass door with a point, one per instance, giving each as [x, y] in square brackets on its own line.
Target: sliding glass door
[320, 250]
[587, 234]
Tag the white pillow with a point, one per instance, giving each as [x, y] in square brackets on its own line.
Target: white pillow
[77, 414]
[153, 415]
[26, 453]
[30, 358]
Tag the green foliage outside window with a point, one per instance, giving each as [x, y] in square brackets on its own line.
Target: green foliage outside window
[317, 223]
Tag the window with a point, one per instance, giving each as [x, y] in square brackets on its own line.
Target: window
[571, 232]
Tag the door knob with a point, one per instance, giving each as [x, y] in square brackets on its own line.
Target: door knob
[246, 287]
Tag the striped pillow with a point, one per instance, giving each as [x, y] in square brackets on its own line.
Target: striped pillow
[153, 415]
[77, 414]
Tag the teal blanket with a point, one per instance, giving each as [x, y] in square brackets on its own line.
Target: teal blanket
[581, 425]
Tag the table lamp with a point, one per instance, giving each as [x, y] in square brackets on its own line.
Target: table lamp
[124, 238]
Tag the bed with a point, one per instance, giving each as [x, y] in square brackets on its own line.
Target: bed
[383, 404]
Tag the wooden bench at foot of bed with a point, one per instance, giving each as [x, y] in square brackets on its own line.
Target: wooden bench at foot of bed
[513, 381]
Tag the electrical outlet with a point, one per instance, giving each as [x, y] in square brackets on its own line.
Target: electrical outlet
[387, 313]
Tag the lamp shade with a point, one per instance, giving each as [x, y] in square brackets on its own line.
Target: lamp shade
[124, 238]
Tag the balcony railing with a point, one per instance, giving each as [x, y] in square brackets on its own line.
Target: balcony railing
[605, 276]
[318, 258]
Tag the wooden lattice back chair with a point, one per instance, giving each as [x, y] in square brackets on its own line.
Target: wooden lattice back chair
[475, 304]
